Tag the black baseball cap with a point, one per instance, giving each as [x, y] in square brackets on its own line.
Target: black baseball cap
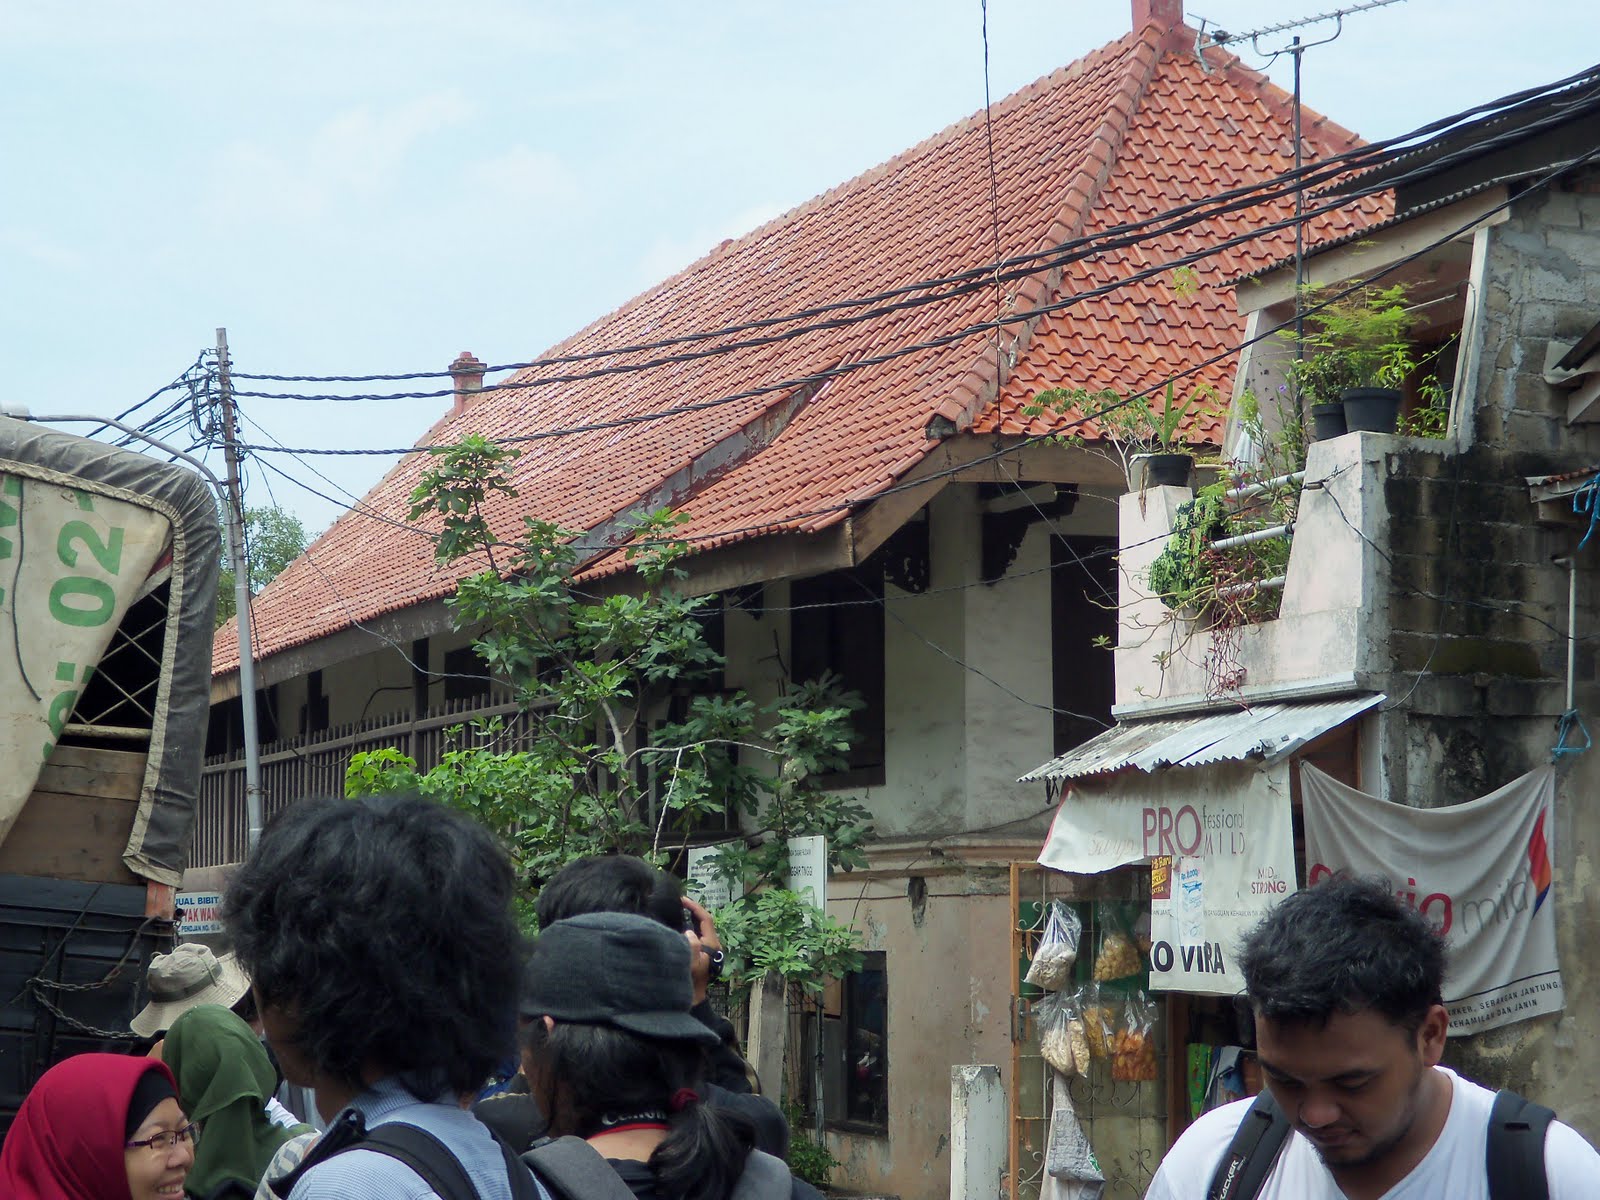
[614, 969]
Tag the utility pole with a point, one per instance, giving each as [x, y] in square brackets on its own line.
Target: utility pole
[1296, 49]
[241, 596]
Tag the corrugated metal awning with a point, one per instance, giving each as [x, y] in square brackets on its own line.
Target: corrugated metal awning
[1266, 732]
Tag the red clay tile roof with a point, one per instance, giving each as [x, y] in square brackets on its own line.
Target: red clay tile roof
[1130, 130]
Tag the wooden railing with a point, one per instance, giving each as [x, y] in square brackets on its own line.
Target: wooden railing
[314, 765]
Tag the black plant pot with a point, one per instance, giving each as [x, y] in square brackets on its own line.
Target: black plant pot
[1371, 410]
[1167, 470]
[1327, 420]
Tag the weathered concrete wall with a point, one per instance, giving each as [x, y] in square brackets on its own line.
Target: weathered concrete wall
[1475, 619]
[946, 954]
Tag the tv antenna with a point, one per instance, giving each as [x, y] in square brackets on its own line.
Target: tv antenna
[1295, 49]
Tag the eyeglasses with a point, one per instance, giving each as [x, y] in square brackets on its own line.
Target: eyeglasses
[168, 1140]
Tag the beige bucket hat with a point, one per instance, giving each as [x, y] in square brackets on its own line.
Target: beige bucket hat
[192, 974]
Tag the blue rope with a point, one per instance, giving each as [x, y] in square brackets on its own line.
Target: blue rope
[1569, 719]
[1584, 501]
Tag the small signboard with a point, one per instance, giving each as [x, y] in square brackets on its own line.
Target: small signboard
[808, 868]
[202, 913]
[705, 885]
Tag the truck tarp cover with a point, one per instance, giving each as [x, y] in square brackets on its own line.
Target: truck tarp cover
[83, 529]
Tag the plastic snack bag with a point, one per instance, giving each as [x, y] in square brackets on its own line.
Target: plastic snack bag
[1068, 1156]
[1062, 1041]
[1119, 954]
[1058, 948]
[1099, 1021]
[1133, 1058]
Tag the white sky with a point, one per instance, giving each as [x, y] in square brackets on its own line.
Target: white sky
[356, 186]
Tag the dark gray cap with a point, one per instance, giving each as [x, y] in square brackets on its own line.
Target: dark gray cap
[614, 969]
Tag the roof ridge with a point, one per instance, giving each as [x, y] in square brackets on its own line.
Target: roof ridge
[982, 383]
[1079, 66]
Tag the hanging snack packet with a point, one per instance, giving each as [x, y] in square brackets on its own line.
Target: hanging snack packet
[1099, 1021]
[1119, 956]
[1058, 948]
[1055, 1038]
[1133, 1058]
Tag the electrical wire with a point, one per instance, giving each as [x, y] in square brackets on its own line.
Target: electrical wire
[1305, 177]
[817, 377]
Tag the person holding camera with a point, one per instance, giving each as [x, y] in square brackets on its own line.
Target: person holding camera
[621, 883]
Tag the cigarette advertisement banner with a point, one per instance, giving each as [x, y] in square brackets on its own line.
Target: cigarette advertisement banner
[1220, 843]
[70, 564]
[1480, 871]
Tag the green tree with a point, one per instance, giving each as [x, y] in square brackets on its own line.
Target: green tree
[593, 765]
[273, 539]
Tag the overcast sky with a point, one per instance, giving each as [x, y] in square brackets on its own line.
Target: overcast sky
[356, 186]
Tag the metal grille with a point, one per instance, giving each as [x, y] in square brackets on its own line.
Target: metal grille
[1126, 1123]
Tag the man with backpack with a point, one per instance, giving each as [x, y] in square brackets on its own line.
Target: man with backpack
[1346, 984]
[379, 939]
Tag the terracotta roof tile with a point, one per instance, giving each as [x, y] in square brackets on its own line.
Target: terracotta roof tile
[1127, 131]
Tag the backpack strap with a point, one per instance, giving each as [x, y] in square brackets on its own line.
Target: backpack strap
[765, 1178]
[1514, 1157]
[434, 1163]
[423, 1153]
[1253, 1152]
[575, 1170]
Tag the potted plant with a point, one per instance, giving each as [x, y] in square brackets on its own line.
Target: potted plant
[1147, 438]
[1358, 358]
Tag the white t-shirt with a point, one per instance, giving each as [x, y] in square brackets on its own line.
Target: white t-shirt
[1452, 1170]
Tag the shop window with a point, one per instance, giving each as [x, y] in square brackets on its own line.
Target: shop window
[836, 628]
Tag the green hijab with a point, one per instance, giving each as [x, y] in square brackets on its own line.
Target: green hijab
[224, 1080]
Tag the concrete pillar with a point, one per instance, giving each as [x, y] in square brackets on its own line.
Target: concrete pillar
[769, 1025]
[977, 1133]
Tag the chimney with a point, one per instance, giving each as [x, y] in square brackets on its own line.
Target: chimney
[468, 374]
[1168, 14]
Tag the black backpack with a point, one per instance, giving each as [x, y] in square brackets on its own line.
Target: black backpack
[425, 1154]
[1514, 1159]
[575, 1170]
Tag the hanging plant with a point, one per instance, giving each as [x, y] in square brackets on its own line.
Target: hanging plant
[1182, 574]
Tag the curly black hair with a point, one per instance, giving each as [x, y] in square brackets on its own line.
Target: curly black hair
[1343, 946]
[383, 927]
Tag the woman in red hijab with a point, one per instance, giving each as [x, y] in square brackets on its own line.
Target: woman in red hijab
[99, 1127]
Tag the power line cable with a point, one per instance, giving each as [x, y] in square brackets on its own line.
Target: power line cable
[791, 384]
[1286, 183]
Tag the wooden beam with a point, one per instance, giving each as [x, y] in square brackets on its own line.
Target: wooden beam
[392, 629]
[1583, 404]
[1378, 250]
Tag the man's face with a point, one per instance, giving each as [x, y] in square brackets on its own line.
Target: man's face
[1353, 1087]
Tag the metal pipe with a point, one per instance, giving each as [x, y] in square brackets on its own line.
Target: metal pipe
[1572, 631]
[1258, 535]
[1254, 586]
[1266, 485]
[247, 671]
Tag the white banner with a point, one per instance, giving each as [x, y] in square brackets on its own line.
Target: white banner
[70, 564]
[1480, 871]
[1221, 847]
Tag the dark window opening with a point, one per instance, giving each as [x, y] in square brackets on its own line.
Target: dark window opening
[836, 628]
[466, 676]
[314, 712]
[1083, 629]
